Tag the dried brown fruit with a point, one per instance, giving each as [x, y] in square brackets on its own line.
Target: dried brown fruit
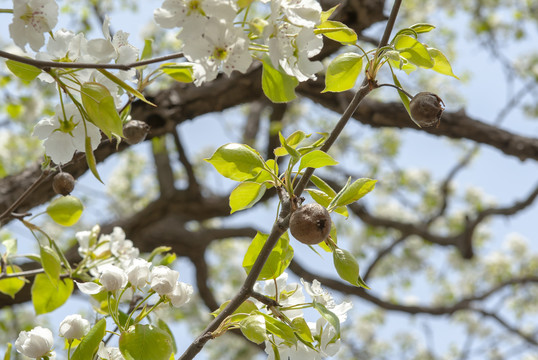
[426, 109]
[310, 224]
[135, 131]
[63, 183]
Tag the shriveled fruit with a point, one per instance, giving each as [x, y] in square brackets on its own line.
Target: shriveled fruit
[135, 131]
[310, 224]
[63, 183]
[426, 109]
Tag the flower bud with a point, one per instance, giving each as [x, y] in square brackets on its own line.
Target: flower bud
[181, 294]
[35, 343]
[163, 279]
[138, 272]
[112, 277]
[426, 109]
[135, 131]
[74, 327]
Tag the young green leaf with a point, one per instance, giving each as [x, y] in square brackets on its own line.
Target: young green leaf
[125, 86]
[101, 109]
[11, 286]
[336, 31]
[278, 86]
[413, 51]
[51, 263]
[323, 186]
[237, 162]
[145, 342]
[23, 71]
[404, 98]
[7, 355]
[347, 267]
[353, 192]
[442, 66]
[245, 308]
[422, 28]
[147, 52]
[278, 260]
[90, 343]
[47, 295]
[280, 329]
[90, 159]
[181, 72]
[316, 159]
[246, 195]
[65, 210]
[253, 327]
[325, 15]
[330, 317]
[302, 330]
[342, 72]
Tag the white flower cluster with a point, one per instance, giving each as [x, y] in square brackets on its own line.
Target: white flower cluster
[213, 43]
[293, 294]
[114, 262]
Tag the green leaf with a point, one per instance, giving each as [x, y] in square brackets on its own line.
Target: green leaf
[65, 210]
[278, 260]
[422, 28]
[164, 326]
[302, 330]
[99, 105]
[280, 329]
[278, 86]
[325, 15]
[353, 192]
[90, 343]
[7, 355]
[295, 138]
[253, 327]
[145, 342]
[290, 149]
[47, 295]
[404, 98]
[11, 246]
[330, 317]
[245, 308]
[51, 263]
[90, 159]
[324, 200]
[237, 162]
[147, 52]
[23, 71]
[316, 159]
[342, 72]
[12, 286]
[246, 195]
[442, 66]
[181, 72]
[336, 31]
[413, 51]
[347, 267]
[125, 86]
[323, 186]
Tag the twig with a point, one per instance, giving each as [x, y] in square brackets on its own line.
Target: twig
[24, 195]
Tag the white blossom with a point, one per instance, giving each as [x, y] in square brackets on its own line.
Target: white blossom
[74, 327]
[138, 272]
[181, 294]
[191, 15]
[109, 352]
[35, 343]
[31, 19]
[305, 13]
[112, 277]
[163, 279]
[65, 133]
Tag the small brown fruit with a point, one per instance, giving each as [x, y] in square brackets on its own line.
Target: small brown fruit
[63, 183]
[426, 109]
[310, 224]
[135, 131]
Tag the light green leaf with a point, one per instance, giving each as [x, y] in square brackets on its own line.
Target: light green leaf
[90, 159]
[316, 159]
[253, 327]
[65, 210]
[422, 28]
[353, 192]
[181, 72]
[404, 98]
[164, 326]
[336, 31]
[295, 138]
[12, 286]
[278, 86]
[347, 267]
[413, 51]
[147, 52]
[99, 105]
[246, 195]
[51, 263]
[325, 15]
[145, 342]
[324, 200]
[330, 317]
[7, 355]
[278, 260]
[280, 329]
[237, 162]
[245, 308]
[90, 343]
[125, 86]
[289, 149]
[302, 330]
[23, 71]
[342, 72]
[11, 246]
[442, 66]
[47, 295]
